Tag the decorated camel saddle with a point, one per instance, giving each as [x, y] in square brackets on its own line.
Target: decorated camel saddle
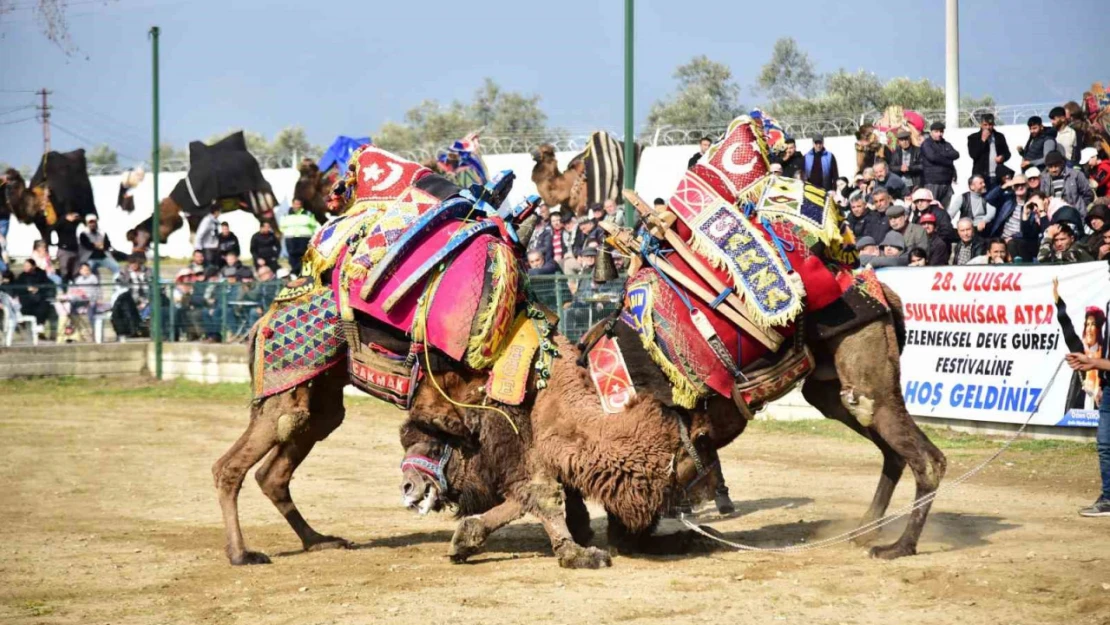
[424, 258]
[734, 273]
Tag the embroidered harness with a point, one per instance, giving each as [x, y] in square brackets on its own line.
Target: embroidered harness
[435, 469]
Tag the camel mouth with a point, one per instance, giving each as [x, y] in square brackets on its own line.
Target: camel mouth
[421, 498]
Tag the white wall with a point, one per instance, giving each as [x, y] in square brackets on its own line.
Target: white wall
[660, 170]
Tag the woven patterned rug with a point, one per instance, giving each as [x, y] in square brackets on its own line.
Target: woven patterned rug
[296, 341]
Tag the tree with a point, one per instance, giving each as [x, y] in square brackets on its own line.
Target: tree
[706, 95]
[168, 153]
[789, 73]
[51, 18]
[507, 113]
[102, 156]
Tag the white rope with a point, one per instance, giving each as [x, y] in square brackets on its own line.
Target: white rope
[897, 514]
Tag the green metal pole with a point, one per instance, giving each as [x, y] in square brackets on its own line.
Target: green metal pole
[156, 292]
[629, 122]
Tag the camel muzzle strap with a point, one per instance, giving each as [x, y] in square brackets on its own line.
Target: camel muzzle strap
[437, 470]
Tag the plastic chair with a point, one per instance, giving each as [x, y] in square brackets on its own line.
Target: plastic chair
[13, 318]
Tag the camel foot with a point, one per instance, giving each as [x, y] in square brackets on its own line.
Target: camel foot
[249, 557]
[724, 505]
[890, 552]
[327, 542]
[582, 534]
[469, 539]
[574, 556]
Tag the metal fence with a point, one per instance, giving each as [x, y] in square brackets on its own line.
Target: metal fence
[220, 312]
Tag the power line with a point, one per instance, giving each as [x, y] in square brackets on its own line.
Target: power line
[92, 143]
[16, 121]
[18, 108]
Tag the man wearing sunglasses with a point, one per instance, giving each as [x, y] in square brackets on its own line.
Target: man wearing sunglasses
[1009, 199]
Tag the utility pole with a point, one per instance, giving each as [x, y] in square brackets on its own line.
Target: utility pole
[629, 122]
[155, 226]
[44, 115]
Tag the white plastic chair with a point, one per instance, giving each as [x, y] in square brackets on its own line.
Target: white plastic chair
[13, 318]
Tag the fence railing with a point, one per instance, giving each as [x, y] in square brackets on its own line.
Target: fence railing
[220, 312]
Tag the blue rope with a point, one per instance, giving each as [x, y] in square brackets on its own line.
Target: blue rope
[649, 246]
[720, 298]
[778, 243]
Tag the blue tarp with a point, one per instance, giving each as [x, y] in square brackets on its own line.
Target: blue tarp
[340, 151]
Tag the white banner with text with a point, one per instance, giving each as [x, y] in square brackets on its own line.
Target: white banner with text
[982, 342]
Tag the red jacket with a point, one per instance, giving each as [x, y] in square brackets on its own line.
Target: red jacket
[1101, 175]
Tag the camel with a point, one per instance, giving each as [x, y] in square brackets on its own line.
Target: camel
[566, 189]
[27, 206]
[856, 381]
[312, 189]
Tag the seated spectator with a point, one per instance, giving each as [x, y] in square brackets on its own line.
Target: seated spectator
[193, 271]
[1097, 170]
[924, 204]
[1104, 246]
[542, 236]
[1033, 224]
[970, 244]
[867, 246]
[234, 269]
[592, 236]
[880, 202]
[132, 307]
[1098, 222]
[1009, 200]
[840, 195]
[871, 254]
[35, 292]
[1070, 185]
[265, 246]
[863, 221]
[894, 185]
[537, 266]
[937, 249]
[1060, 212]
[998, 253]
[899, 221]
[918, 257]
[226, 241]
[1059, 247]
[972, 205]
[96, 249]
[559, 240]
[1033, 175]
[41, 255]
[611, 214]
[894, 248]
[77, 306]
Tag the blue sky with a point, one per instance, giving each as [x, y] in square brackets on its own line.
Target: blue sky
[344, 68]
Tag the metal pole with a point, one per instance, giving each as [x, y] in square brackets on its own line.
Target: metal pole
[156, 310]
[629, 122]
[952, 65]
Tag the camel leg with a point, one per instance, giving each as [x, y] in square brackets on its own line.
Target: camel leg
[624, 540]
[325, 414]
[873, 377]
[228, 473]
[473, 531]
[578, 517]
[825, 396]
[544, 500]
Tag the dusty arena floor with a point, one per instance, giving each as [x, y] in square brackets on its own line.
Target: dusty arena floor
[110, 516]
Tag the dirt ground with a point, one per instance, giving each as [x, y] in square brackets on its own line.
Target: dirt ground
[110, 516]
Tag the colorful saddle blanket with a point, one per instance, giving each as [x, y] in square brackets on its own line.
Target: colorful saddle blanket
[296, 340]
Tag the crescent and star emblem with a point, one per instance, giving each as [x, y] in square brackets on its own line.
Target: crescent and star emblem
[729, 164]
[391, 178]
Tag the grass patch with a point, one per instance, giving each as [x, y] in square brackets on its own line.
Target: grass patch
[944, 438]
[36, 608]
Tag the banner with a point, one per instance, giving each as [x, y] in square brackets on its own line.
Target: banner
[982, 342]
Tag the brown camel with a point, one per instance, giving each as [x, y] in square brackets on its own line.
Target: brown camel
[312, 190]
[857, 382]
[566, 189]
[27, 206]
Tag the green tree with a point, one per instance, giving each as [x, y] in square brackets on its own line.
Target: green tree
[507, 113]
[789, 73]
[168, 153]
[707, 94]
[292, 140]
[102, 156]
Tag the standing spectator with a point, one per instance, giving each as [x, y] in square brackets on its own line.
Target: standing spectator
[1009, 202]
[1098, 170]
[558, 241]
[913, 234]
[924, 204]
[863, 221]
[792, 162]
[542, 240]
[905, 160]
[868, 147]
[820, 166]
[1037, 146]
[937, 249]
[1066, 142]
[998, 253]
[972, 205]
[893, 184]
[1060, 248]
[226, 241]
[207, 237]
[40, 254]
[68, 249]
[96, 249]
[970, 245]
[938, 164]
[703, 147]
[1066, 183]
[612, 215]
[297, 228]
[265, 246]
[988, 150]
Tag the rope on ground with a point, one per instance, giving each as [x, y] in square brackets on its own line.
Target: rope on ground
[897, 514]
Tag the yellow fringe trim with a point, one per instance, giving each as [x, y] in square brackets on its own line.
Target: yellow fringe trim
[484, 346]
[683, 391]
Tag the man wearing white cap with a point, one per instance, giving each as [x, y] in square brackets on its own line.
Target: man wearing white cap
[1098, 171]
[1033, 175]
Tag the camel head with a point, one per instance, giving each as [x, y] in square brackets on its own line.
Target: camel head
[312, 189]
[20, 200]
[424, 482]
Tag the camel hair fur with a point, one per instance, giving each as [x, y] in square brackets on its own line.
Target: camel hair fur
[566, 189]
[854, 382]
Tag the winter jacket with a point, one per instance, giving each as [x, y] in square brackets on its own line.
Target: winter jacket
[67, 235]
[1005, 203]
[961, 207]
[915, 237]
[829, 172]
[1047, 255]
[1101, 178]
[793, 166]
[1037, 147]
[228, 244]
[944, 223]
[938, 158]
[299, 224]
[978, 248]
[88, 242]
[266, 246]
[936, 253]
[1077, 190]
[871, 224]
[894, 184]
[980, 152]
[914, 171]
[207, 232]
